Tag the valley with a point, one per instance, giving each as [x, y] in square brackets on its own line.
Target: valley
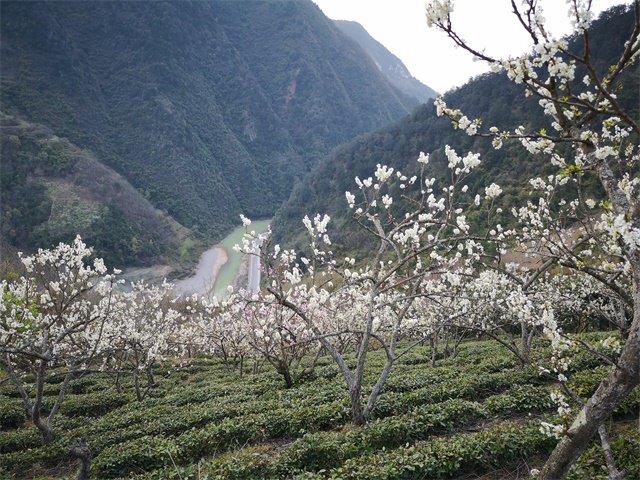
[222, 266]
[239, 240]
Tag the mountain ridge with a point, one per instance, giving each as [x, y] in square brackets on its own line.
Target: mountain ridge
[491, 97]
[208, 109]
[388, 63]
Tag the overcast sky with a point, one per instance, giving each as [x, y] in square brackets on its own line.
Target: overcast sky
[428, 54]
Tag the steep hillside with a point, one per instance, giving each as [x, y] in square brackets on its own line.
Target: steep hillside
[52, 190]
[491, 97]
[208, 109]
[390, 65]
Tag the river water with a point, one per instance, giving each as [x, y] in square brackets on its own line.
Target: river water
[220, 265]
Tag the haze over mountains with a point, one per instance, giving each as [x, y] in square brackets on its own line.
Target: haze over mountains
[390, 65]
[199, 110]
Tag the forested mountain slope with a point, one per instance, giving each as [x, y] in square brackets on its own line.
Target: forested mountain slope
[390, 65]
[208, 109]
[491, 97]
[51, 190]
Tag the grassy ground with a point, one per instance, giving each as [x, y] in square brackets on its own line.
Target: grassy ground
[473, 416]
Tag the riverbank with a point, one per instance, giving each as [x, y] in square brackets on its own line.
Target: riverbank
[207, 272]
[231, 270]
[218, 267]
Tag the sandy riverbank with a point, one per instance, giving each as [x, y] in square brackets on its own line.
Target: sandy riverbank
[207, 272]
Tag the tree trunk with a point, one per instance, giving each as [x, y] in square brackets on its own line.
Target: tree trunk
[283, 370]
[151, 382]
[136, 384]
[614, 473]
[525, 335]
[80, 450]
[433, 343]
[357, 411]
[615, 387]
[45, 429]
[118, 384]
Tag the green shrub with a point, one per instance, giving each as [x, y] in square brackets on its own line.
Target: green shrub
[135, 456]
[440, 458]
[47, 455]
[591, 464]
[317, 417]
[12, 413]
[630, 405]
[519, 399]
[250, 463]
[219, 437]
[20, 439]
[92, 404]
[317, 451]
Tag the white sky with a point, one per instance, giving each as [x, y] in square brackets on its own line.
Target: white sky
[429, 55]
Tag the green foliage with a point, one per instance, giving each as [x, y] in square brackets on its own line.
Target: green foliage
[135, 456]
[92, 404]
[252, 427]
[251, 463]
[625, 447]
[12, 413]
[210, 109]
[519, 399]
[52, 191]
[498, 445]
[21, 439]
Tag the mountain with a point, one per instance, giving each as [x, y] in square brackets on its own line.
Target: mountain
[491, 97]
[390, 65]
[52, 190]
[206, 109]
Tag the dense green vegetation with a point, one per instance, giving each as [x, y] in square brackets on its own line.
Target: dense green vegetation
[477, 412]
[208, 109]
[492, 98]
[51, 190]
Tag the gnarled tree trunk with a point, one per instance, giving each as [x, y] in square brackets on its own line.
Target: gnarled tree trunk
[612, 390]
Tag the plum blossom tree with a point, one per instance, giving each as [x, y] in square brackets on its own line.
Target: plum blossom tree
[605, 244]
[212, 326]
[496, 305]
[140, 331]
[275, 334]
[421, 235]
[53, 318]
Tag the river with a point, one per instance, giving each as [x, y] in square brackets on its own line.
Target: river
[220, 266]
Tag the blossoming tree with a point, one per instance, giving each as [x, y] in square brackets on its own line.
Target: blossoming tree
[53, 318]
[140, 330]
[421, 235]
[585, 113]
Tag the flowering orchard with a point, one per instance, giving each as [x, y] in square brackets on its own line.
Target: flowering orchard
[586, 252]
[431, 275]
[582, 102]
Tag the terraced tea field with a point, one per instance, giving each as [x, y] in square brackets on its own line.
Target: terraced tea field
[473, 416]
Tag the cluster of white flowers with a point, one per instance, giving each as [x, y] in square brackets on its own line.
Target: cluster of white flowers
[492, 191]
[438, 12]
